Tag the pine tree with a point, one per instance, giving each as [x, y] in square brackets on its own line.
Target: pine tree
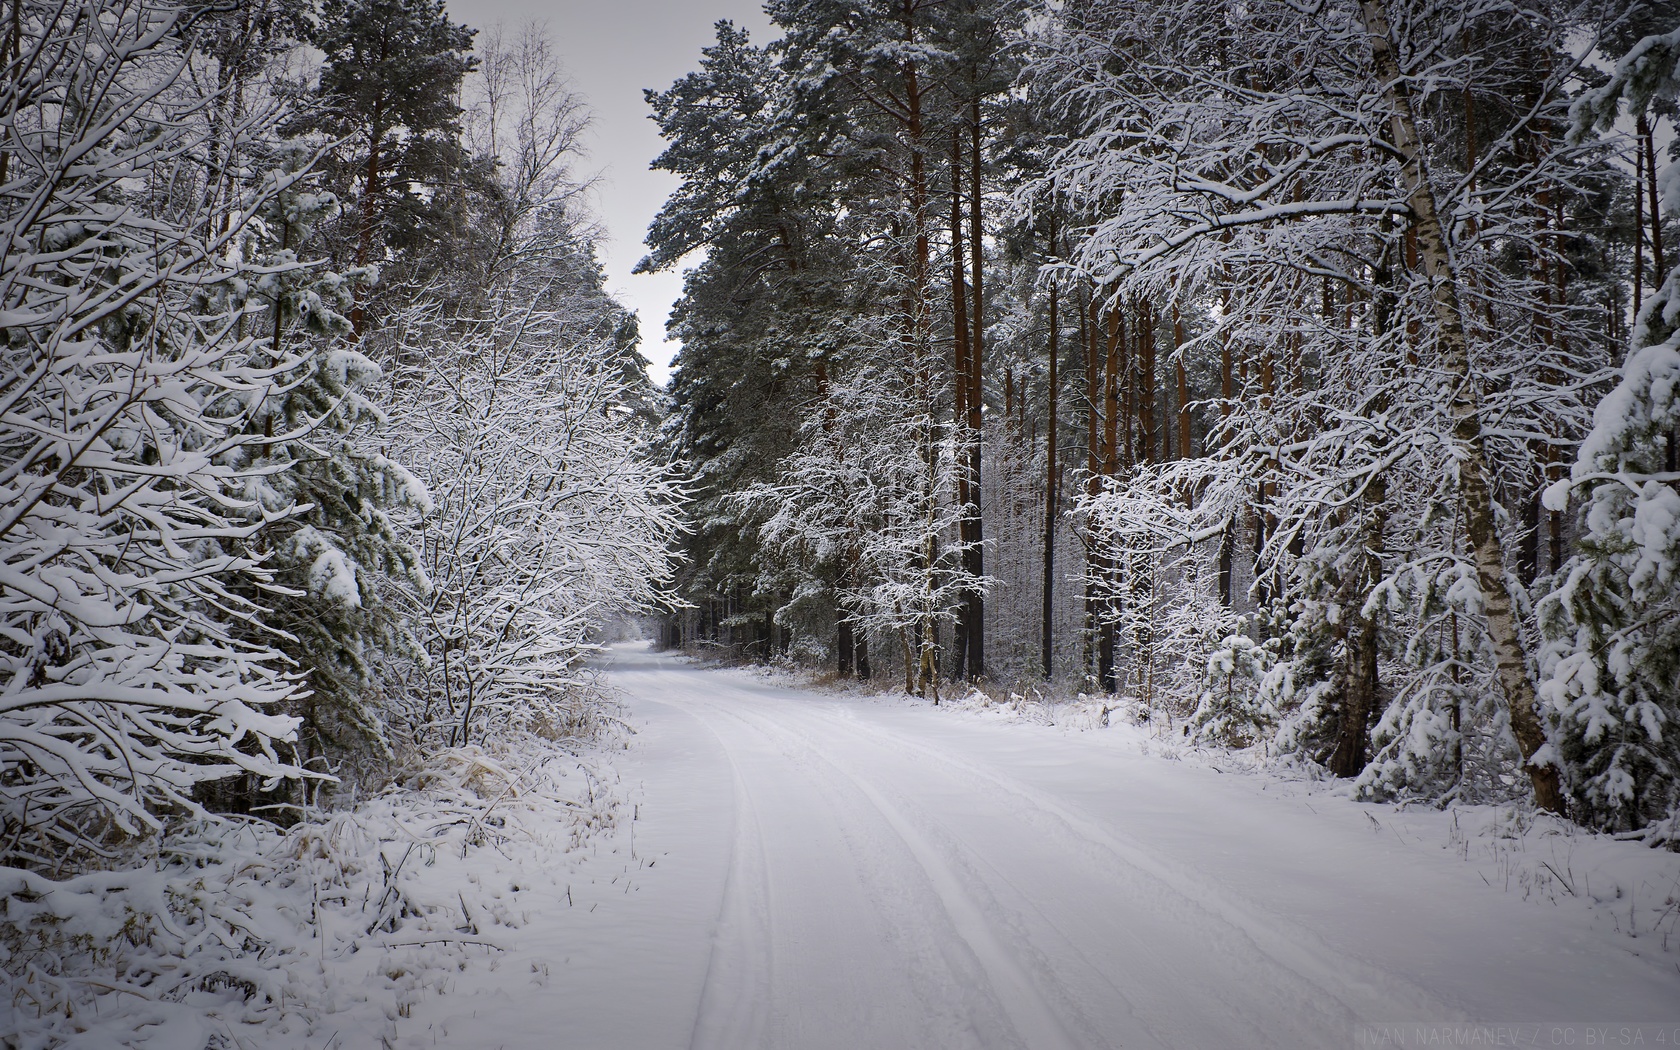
[759, 320]
[389, 87]
[343, 575]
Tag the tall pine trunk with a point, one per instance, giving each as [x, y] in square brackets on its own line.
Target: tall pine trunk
[961, 354]
[364, 236]
[1047, 626]
[974, 557]
[1088, 329]
[1115, 367]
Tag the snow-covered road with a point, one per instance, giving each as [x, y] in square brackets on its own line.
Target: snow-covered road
[811, 871]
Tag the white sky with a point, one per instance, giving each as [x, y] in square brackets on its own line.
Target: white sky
[612, 50]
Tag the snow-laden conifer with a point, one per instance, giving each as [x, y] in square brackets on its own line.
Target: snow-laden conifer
[1612, 662]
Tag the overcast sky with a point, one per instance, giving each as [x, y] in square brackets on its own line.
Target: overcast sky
[612, 50]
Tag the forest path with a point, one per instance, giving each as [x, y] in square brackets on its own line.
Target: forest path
[816, 871]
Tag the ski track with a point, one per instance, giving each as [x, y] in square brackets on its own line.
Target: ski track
[734, 1001]
[815, 872]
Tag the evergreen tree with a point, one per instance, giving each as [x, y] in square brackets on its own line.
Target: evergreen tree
[326, 495]
[389, 87]
[1613, 622]
[757, 317]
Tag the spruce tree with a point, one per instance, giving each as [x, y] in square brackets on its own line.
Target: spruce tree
[1613, 623]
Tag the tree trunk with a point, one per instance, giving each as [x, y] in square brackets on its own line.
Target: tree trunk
[1114, 368]
[1228, 562]
[1088, 329]
[1658, 270]
[364, 239]
[1638, 226]
[1353, 740]
[1047, 624]
[1227, 392]
[1183, 385]
[974, 556]
[1359, 700]
[1146, 384]
[960, 410]
[1510, 659]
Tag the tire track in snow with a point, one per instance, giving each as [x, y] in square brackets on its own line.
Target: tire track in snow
[734, 1000]
[1197, 968]
[775, 709]
[1299, 952]
[1311, 1008]
[1269, 964]
[779, 974]
[1013, 988]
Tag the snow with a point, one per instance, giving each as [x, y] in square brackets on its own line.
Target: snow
[243, 935]
[770, 866]
[813, 870]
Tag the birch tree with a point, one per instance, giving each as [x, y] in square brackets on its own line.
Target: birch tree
[1269, 159]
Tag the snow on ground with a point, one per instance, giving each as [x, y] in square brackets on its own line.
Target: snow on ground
[808, 870]
[323, 935]
[768, 866]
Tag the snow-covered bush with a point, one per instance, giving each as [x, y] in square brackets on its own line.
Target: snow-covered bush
[550, 517]
[132, 666]
[1613, 662]
[1231, 709]
[1441, 734]
[1149, 533]
[239, 933]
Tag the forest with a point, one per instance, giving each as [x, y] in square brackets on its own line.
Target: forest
[1297, 379]
[1299, 376]
[324, 453]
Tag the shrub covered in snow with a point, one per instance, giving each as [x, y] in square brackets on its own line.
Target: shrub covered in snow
[131, 669]
[242, 934]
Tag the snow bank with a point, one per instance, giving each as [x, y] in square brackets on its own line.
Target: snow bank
[235, 934]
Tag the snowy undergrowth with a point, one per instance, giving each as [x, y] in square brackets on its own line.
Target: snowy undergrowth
[1630, 890]
[322, 935]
